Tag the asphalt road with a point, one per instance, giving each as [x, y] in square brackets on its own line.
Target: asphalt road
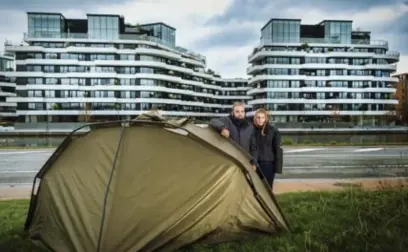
[20, 166]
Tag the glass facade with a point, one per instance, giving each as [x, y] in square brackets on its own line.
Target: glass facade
[103, 27]
[7, 111]
[45, 25]
[6, 64]
[117, 95]
[281, 31]
[337, 32]
[165, 33]
[312, 75]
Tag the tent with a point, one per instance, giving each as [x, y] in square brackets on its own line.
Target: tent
[148, 184]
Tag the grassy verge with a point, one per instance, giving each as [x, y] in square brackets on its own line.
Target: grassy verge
[286, 141]
[351, 220]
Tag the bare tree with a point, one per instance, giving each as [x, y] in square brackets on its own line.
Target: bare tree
[335, 114]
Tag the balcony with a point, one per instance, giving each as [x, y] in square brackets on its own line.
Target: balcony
[7, 56]
[49, 35]
[381, 43]
[303, 52]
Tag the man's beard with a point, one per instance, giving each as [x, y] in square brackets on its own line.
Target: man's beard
[238, 121]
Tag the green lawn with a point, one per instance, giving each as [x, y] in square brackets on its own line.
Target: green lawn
[352, 220]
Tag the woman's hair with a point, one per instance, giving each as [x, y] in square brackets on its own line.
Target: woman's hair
[265, 112]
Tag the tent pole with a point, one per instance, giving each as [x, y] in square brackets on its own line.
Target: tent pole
[105, 200]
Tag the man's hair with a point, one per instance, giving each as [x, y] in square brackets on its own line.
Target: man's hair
[237, 104]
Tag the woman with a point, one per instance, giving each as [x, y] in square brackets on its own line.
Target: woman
[264, 143]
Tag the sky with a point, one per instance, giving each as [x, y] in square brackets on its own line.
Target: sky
[225, 31]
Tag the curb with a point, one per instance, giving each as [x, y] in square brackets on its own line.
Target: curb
[281, 186]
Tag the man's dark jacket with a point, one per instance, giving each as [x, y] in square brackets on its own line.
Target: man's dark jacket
[265, 148]
[240, 130]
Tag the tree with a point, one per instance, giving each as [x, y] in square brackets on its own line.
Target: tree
[305, 47]
[88, 108]
[210, 71]
[390, 117]
[401, 109]
[335, 114]
[404, 113]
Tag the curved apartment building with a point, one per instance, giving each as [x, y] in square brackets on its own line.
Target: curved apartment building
[7, 90]
[99, 68]
[321, 73]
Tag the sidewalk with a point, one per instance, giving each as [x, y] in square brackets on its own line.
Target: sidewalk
[281, 186]
[310, 185]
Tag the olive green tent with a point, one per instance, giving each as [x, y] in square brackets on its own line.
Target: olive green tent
[148, 185]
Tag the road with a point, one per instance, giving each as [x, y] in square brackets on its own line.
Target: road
[20, 166]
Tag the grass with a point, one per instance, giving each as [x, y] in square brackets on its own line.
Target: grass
[350, 220]
[287, 141]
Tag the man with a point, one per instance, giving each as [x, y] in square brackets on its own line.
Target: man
[235, 126]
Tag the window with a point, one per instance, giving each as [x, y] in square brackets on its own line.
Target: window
[45, 25]
[103, 27]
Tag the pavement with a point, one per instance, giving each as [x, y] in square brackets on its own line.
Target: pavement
[19, 166]
[313, 185]
[281, 186]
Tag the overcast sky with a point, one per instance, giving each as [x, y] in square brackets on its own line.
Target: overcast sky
[225, 31]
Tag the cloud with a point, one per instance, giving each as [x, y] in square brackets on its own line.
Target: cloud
[225, 31]
[397, 33]
[232, 35]
[402, 66]
[263, 10]
[188, 20]
[385, 19]
[56, 5]
[230, 62]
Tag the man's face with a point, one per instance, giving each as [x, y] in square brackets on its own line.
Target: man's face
[239, 112]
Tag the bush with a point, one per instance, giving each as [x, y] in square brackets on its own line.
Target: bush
[308, 142]
[333, 143]
[287, 141]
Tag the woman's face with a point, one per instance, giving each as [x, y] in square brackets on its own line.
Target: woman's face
[260, 119]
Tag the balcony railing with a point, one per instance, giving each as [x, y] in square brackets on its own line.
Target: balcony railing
[7, 55]
[393, 54]
[52, 35]
[330, 41]
[330, 64]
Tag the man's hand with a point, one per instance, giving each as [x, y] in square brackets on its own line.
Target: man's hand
[225, 133]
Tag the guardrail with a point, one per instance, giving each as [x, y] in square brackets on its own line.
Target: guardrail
[120, 37]
[65, 130]
[388, 53]
[7, 55]
[329, 41]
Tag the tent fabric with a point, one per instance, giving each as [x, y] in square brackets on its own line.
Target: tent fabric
[149, 185]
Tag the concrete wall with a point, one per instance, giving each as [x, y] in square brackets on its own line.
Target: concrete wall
[47, 126]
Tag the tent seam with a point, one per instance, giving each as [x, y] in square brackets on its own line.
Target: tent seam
[107, 190]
